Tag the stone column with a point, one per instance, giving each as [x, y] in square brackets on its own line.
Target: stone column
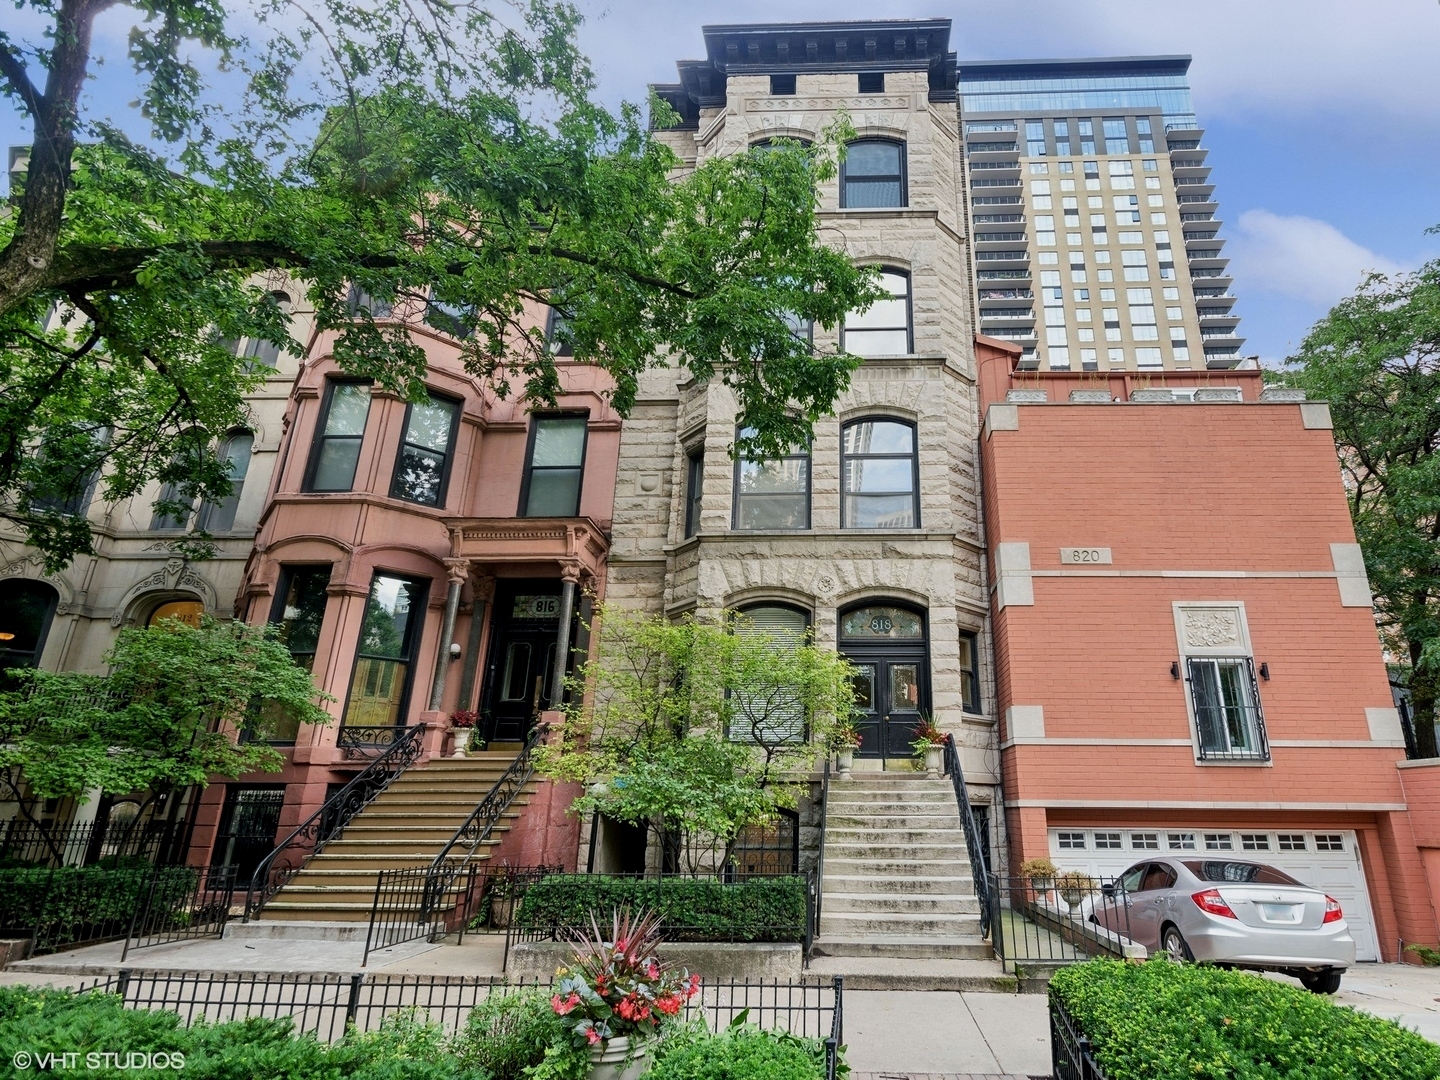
[483, 589]
[570, 577]
[457, 570]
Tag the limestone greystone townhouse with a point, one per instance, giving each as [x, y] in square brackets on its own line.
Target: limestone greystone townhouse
[1077, 533]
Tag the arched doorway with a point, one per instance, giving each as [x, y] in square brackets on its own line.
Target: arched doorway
[26, 609]
[887, 643]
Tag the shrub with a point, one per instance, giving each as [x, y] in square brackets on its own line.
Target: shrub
[55, 1021]
[507, 1033]
[1165, 1021]
[741, 1053]
[70, 903]
[757, 909]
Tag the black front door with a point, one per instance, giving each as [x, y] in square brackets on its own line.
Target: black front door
[888, 696]
[248, 826]
[886, 643]
[521, 668]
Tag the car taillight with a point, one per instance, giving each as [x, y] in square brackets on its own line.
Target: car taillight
[1332, 910]
[1212, 902]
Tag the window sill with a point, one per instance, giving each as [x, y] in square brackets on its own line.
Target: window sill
[1243, 763]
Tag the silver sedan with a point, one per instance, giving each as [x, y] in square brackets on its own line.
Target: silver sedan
[1231, 913]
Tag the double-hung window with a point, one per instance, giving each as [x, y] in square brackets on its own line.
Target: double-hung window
[422, 466]
[338, 436]
[774, 493]
[385, 653]
[879, 478]
[299, 612]
[873, 174]
[771, 715]
[1226, 701]
[554, 466]
[882, 329]
[235, 452]
[970, 671]
[694, 482]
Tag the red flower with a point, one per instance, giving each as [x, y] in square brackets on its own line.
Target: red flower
[562, 1007]
[593, 1036]
[692, 986]
[653, 971]
[669, 1004]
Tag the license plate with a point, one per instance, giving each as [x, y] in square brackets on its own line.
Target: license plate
[1281, 913]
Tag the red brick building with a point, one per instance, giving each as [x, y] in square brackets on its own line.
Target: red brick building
[1186, 656]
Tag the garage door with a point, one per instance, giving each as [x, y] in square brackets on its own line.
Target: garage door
[1323, 860]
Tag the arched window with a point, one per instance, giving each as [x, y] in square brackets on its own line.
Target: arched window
[882, 329]
[26, 609]
[873, 174]
[773, 494]
[770, 715]
[879, 475]
[235, 452]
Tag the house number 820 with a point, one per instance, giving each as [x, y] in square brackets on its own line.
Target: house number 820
[1087, 556]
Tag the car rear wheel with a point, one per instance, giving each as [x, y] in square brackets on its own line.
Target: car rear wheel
[1322, 982]
[1173, 942]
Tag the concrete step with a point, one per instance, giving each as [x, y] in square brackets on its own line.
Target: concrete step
[904, 946]
[891, 818]
[916, 973]
[852, 924]
[893, 852]
[894, 837]
[869, 796]
[897, 903]
[870, 865]
[938, 885]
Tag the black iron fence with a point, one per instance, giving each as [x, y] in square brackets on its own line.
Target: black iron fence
[1071, 1057]
[417, 902]
[26, 843]
[1056, 922]
[182, 908]
[975, 843]
[311, 836]
[326, 1006]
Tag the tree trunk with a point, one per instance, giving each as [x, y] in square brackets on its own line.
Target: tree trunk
[1423, 687]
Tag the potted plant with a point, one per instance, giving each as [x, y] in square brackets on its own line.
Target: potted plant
[929, 743]
[1074, 886]
[463, 721]
[845, 741]
[1040, 873]
[618, 994]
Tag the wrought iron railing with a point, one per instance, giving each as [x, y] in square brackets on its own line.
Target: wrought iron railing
[1071, 1055]
[817, 883]
[159, 842]
[973, 840]
[363, 741]
[423, 901]
[1072, 918]
[326, 823]
[182, 908]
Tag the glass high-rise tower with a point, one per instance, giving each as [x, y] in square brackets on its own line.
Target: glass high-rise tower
[1093, 219]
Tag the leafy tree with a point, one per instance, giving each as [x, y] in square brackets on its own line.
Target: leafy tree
[701, 727]
[166, 717]
[413, 162]
[1376, 359]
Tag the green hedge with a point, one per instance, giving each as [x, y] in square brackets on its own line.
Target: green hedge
[39, 1022]
[1165, 1021]
[740, 1053]
[80, 903]
[757, 909]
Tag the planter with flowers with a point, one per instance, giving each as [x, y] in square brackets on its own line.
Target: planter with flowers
[618, 994]
[845, 740]
[1040, 873]
[463, 722]
[929, 743]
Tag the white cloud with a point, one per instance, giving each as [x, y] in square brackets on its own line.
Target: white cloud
[1300, 257]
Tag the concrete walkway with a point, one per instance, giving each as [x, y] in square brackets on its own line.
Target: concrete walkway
[913, 1033]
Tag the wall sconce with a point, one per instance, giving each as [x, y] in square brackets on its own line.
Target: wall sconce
[1175, 670]
[1265, 672]
[454, 650]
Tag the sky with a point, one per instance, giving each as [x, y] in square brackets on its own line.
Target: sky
[1322, 117]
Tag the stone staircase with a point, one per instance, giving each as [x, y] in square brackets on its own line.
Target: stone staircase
[406, 826]
[898, 907]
